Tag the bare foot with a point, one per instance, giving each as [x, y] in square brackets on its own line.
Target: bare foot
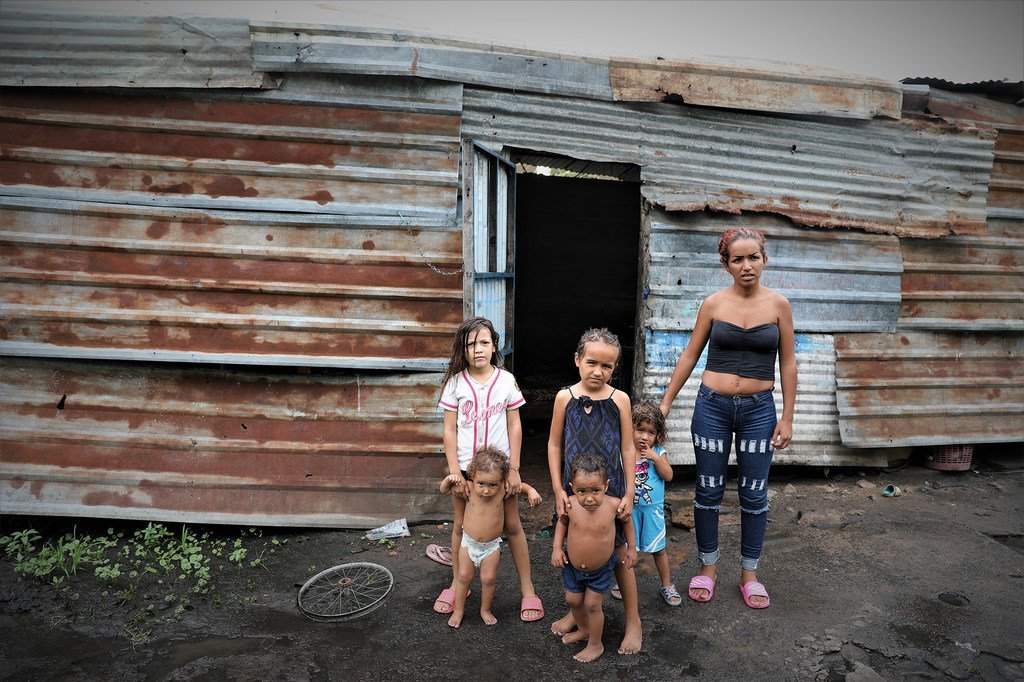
[573, 637]
[632, 640]
[455, 621]
[488, 617]
[591, 653]
[563, 625]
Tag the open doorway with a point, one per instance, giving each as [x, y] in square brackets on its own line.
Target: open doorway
[577, 262]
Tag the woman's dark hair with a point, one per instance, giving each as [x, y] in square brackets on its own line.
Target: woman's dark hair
[588, 463]
[488, 458]
[649, 412]
[457, 362]
[735, 234]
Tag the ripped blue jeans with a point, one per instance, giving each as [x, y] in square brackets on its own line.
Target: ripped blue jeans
[716, 419]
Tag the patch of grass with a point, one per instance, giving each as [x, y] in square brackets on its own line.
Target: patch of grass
[154, 564]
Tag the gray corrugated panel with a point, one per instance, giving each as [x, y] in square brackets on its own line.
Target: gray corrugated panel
[815, 425]
[70, 50]
[1006, 190]
[339, 155]
[906, 177]
[835, 281]
[756, 86]
[129, 441]
[93, 280]
[973, 283]
[280, 47]
[923, 388]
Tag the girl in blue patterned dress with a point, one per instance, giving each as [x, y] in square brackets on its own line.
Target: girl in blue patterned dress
[591, 416]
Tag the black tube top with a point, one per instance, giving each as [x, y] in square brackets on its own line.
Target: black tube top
[746, 353]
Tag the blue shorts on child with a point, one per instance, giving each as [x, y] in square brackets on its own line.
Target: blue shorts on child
[649, 523]
[599, 580]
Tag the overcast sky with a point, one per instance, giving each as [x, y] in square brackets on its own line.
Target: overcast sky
[958, 40]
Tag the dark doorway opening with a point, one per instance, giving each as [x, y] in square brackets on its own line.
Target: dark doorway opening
[577, 251]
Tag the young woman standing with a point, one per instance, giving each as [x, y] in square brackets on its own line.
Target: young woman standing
[746, 326]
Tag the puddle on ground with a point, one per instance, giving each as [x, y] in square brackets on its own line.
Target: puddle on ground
[953, 599]
[1013, 541]
[182, 653]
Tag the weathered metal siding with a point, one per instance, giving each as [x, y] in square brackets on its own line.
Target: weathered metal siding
[835, 281]
[816, 438]
[974, 283]
[774, 87]
[205, 446]
[286, 47]
[80, 50]
[762, 86]
[924, 388]
[906, 178]
[340, 247]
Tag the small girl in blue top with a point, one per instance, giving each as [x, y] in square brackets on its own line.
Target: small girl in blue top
[652, 472]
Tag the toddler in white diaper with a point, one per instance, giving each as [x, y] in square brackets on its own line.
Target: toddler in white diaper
[481, 527]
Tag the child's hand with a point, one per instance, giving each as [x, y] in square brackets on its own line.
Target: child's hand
[450, 484]
[558, 557]
[630, 560]
[513, 484]
[562, 503]
[625, 507]
[534, 497]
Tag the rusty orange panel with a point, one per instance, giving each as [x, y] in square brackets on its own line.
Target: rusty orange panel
[83, 279]
[771, 86]
[925, 388]
[133, 442]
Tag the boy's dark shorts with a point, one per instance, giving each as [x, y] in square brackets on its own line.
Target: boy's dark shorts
[599, 580]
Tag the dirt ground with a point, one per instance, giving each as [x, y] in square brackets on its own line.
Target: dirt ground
[927, 585]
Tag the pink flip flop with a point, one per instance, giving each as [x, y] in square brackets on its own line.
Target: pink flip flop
[701, 582]
[755, 589]
[531, 604]
[447, 596]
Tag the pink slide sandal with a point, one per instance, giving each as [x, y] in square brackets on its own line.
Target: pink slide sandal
[755, 589]
[701, 582]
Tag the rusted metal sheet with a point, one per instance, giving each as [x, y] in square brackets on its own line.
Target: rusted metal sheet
[83, 279]
[908, 177]
[52, 49]
[129, 441]
[835, 281]
[1006, 189]
[357, 272]
[286, 47]
[925, 388]
[816, 439]
[339, 155]
[965, 283]
[756, 86]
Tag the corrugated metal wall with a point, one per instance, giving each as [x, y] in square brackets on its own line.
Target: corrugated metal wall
[953, 375]
[310, 226]
[925, 388]
[49, 48]
[117, 244]
[143, 441]
[834, 280]
[896, 177]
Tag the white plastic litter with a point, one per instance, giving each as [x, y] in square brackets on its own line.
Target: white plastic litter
[399, 528]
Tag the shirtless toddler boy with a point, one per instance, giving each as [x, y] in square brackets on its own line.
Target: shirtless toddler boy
[588, 531]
